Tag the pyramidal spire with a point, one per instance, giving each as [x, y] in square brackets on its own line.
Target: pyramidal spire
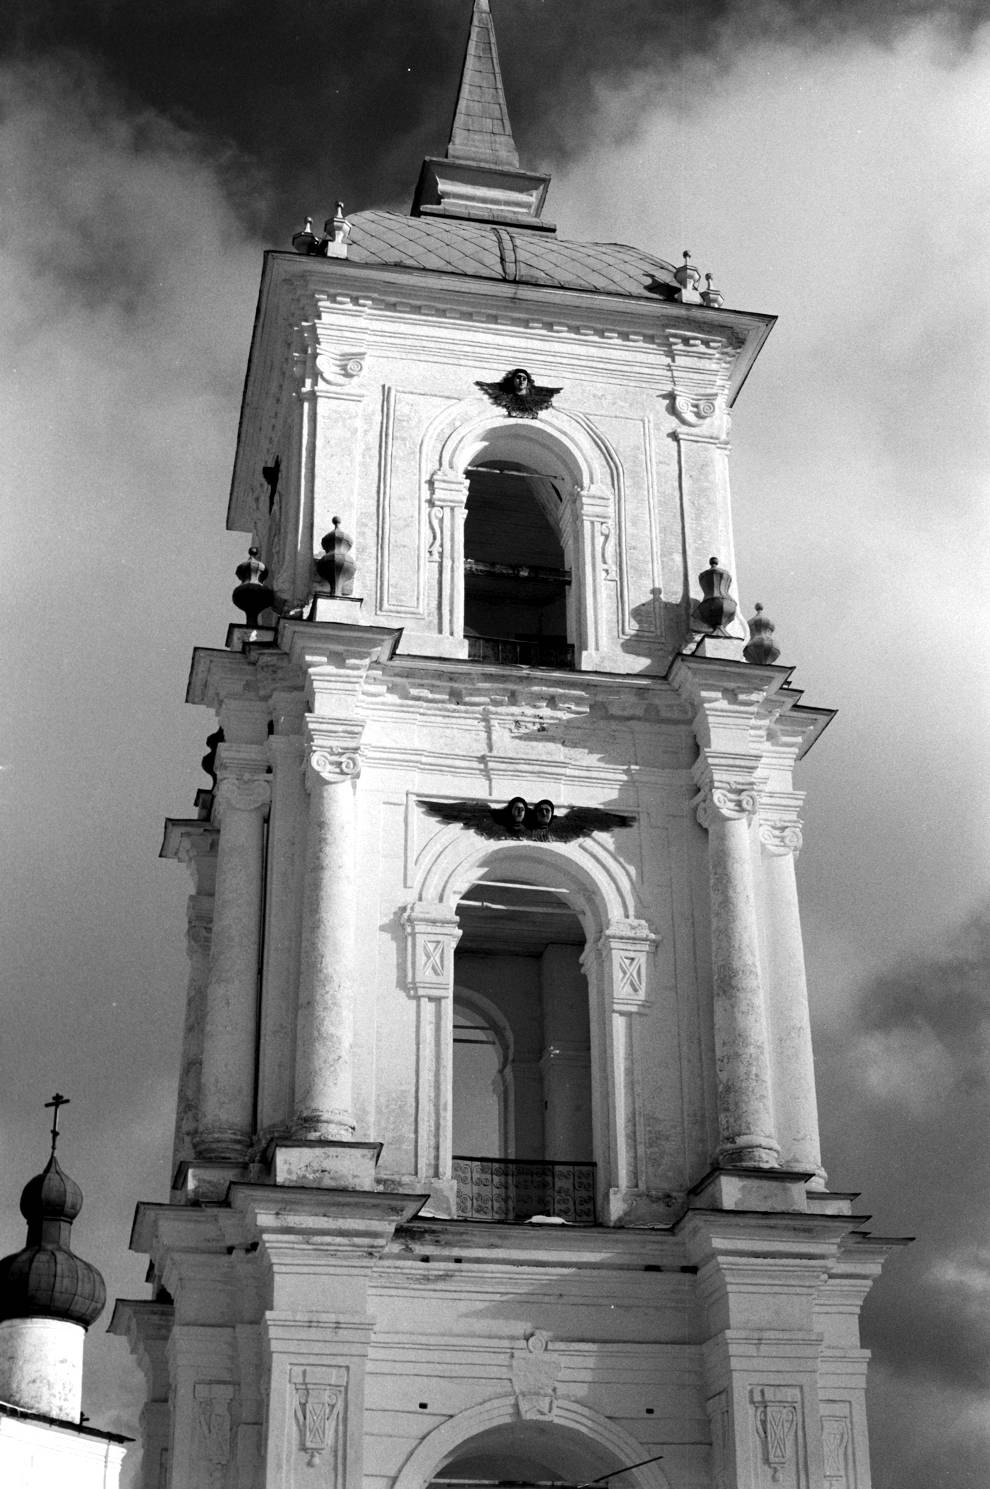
[479, 178]
[481, 131]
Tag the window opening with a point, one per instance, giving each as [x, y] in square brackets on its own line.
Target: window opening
[515, 577]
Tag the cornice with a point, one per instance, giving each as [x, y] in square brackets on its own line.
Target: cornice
[386, 309]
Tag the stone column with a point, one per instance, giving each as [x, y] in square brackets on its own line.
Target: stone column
[194, 843]
[227, 1085]
[745, 1107]
[795, 1101]
[325, 1022]
[199, 851]
[286, 839]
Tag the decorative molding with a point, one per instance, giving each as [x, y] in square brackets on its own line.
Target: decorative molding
[534, 1378]
[319, 1393]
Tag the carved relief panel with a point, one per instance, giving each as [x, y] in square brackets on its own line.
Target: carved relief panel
[318, 1395]
[776, 1417]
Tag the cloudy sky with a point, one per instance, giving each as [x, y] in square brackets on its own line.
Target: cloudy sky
[826, 163]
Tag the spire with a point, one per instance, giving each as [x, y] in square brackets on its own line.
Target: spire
[479, 179]
[481, 133]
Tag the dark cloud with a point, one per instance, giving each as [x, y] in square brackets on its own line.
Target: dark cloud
[905, 1099]
[344, 97]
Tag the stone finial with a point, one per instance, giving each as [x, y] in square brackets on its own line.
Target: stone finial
[717, 607]
[335, 565]
[336, 231]
[760, 649]
[688, 278]
[712, 297]
[306, 240]
[252, 595]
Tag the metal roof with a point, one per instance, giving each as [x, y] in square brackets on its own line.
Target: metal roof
[519, 256]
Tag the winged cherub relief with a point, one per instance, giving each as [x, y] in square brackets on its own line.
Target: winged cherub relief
[539, 823]
[518, 395]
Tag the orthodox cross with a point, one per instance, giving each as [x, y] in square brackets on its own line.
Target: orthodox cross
[57, 1100]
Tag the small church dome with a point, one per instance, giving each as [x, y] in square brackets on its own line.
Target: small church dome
[46, 1279]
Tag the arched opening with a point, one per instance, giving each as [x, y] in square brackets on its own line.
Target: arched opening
[515, 575]
[554, 1446]
[521, 1059]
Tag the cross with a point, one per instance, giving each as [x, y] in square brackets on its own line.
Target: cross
[57, 1100]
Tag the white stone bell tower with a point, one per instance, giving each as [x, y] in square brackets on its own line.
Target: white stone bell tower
[497, 1146]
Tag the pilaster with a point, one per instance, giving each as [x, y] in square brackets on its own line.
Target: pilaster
[432, 933]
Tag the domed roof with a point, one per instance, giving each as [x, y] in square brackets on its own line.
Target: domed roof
[46, 1279]
[518, 255]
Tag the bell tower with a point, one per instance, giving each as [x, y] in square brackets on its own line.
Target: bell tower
[497, 1147]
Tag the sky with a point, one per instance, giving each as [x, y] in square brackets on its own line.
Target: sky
[826, 164]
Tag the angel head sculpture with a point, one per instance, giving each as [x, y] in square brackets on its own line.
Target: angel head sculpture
[518, 395]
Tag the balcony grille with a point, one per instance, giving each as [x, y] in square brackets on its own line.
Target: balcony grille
[517, 1189]
[511, 653]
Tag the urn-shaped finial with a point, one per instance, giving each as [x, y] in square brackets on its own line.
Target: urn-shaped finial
[710, 295]
[306, 240]
[688, 278]
[252, 595]
[760, 649]
[718, 607]
[335, 565]
[209, 760]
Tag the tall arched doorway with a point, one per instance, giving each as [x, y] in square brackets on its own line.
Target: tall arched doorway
[521, 1066]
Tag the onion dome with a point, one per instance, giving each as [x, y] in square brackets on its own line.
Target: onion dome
[46, 1279]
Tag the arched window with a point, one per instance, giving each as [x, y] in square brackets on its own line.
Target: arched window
[515, 577]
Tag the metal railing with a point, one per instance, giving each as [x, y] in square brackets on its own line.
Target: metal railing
[511, 653]
[516, 1189]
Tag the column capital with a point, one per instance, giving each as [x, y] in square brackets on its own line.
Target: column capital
[333, 765]
[731, 802]
[448, 488]
[626, 946]
[781, 838]
[432, 932]
[241, 793]
[332, 750]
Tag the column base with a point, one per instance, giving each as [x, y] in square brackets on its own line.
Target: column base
[204, 1181]
[760, 1189]
[314, 1163]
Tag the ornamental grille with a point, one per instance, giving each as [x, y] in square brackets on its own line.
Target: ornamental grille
[517, 1189]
